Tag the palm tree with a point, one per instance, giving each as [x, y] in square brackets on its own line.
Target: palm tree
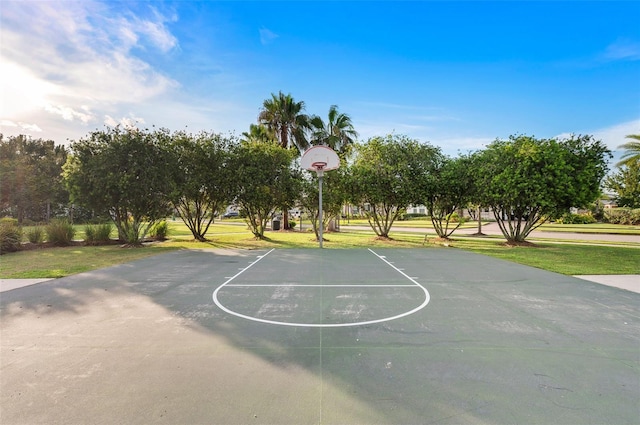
[258, 133]
[338, 133]
[283, 116]
[632, 149]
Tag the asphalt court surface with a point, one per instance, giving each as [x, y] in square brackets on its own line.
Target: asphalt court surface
[165, 340]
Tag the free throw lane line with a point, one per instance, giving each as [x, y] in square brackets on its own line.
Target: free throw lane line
[427, 298]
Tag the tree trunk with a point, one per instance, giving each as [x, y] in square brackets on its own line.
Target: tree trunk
[479, 233]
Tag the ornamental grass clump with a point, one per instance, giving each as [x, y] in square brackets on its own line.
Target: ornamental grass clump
[97, 234]
[60, 232]
[10, 235]
[159, 231]
[35, 234]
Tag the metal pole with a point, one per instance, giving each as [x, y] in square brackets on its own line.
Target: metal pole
[320, 173]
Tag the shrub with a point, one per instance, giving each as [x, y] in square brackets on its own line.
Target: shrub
[415, 216]
[35, 234]
[570, 218]
[159, 231]
[10, 235]
[455, 218]
[60, 232]
[623, 216]
[97, 234]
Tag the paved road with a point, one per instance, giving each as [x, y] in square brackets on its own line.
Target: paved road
[492, 229]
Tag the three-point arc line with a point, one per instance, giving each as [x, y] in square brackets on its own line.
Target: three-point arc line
[320, 325]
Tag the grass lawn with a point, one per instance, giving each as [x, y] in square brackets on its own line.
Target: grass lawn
[567, 259]
[60, 262]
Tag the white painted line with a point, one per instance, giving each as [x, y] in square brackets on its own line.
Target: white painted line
[427, 296]
[323, 325]
[251, 285]
[260, 257]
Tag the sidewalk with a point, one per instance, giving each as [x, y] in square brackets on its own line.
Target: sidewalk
[629, 282]
[9, 284]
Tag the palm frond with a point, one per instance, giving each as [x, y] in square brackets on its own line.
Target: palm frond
[632, 150]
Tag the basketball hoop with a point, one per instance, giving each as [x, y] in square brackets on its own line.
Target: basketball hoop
[320, 159]
[319, 167]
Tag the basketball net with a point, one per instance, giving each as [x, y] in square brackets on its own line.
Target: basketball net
[319, 166]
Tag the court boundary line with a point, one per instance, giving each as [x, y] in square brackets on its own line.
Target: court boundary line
[321, 325]
[364, 285]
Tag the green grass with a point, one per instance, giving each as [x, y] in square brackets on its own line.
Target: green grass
[569, 259]
[60, 262]
[563, 258]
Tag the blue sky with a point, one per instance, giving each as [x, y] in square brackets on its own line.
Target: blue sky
[456, 74]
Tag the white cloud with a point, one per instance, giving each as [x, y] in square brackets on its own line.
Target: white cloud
[9, 127]
[623, 49]
[267, 36]
[69, 114]
[70, 62]
[22, 90]
[612, 136]
[30, 128]
[7, 123]
[158, 34]
[127, 122]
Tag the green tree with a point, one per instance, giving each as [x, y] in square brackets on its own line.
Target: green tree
[527, 180]
[264, 180]
[125, 172]
[388, 174]
[450, 190]
[626, 184]
[202, 179]
[285, 118]
[632, 150]
[30, 178]
[337, 133]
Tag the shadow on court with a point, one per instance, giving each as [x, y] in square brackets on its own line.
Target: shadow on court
[320, 337]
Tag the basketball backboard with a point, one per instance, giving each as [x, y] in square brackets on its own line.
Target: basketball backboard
[320, 158]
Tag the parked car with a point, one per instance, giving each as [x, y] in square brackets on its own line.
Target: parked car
[231, 214]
